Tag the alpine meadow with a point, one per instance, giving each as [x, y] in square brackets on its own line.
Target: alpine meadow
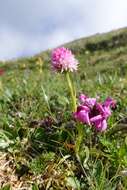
[63, 117]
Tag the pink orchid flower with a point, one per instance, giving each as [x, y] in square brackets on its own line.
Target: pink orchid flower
[93, 113]
[63, 60]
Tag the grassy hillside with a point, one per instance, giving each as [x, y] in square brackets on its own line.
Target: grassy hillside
[38, 135]
[108, 48]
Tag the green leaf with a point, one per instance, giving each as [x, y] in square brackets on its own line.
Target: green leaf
[87, 156]
[63, 100]
[73, 182]
[39, 134]
[35, 187]
[45, 97]
[63, 159]
[6, 187]
[4, 140]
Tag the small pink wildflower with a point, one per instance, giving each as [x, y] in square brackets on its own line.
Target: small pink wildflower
[93, 113]
[63, 60]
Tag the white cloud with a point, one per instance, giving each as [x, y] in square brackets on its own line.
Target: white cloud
[11, 44]
[28, 27]
[14, 44]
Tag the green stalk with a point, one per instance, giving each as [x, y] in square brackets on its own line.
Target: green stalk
[79, 138]
[72, 93]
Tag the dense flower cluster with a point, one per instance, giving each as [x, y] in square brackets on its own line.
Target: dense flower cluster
[94, 113]
[63, 60]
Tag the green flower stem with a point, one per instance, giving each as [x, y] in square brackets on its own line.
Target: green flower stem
[79, 138]
[73, 95]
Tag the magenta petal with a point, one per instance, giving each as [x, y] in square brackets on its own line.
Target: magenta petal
[82, 114]
[104, 110]
[101, 125]
[96, 118]
[99, 122]
[85, 108]
[90, 102]
[82, 98]
[110, 102]
[104, 125]
[84, 117]
[100, 107]
[107, 112]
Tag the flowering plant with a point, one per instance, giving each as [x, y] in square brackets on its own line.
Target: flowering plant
[90, 111]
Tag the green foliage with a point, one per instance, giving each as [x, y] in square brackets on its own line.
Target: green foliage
[6, 187]
[39, 164]
[35, 187]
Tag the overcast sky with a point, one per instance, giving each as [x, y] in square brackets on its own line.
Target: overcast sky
[30, 26]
